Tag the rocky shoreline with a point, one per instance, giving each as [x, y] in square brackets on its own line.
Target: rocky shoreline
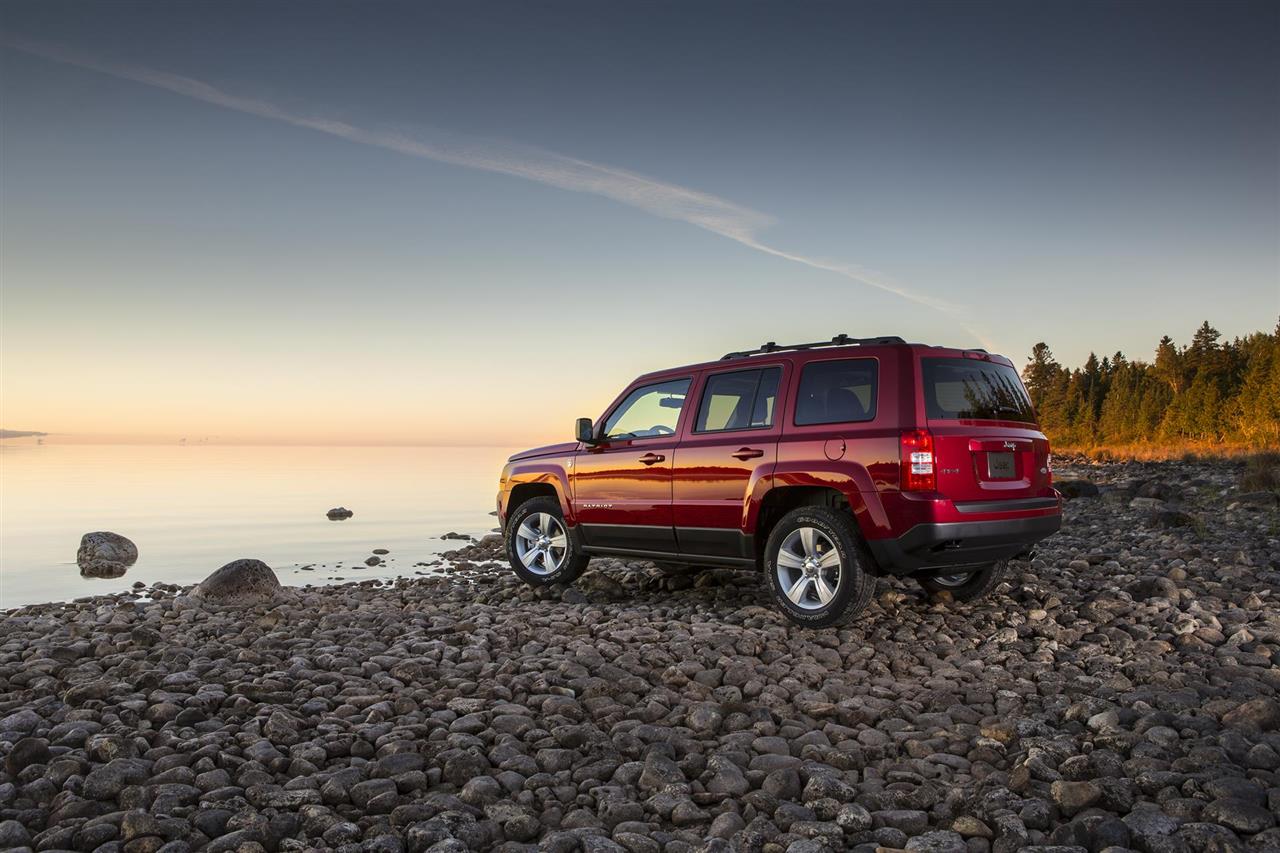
[1122, 696]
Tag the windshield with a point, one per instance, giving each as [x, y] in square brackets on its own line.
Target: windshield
[969, 389]
[648, 412]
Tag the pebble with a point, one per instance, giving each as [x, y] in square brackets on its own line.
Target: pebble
[1120, 693]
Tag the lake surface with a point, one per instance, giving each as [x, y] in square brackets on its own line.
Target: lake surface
[191, 509]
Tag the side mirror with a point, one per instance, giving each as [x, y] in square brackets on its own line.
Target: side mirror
[586, 431]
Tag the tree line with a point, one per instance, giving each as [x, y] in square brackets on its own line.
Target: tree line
[1211, 391]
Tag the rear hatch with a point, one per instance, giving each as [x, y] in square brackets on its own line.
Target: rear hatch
[987, 445]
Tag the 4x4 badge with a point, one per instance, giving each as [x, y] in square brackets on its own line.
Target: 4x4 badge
[1010, 445]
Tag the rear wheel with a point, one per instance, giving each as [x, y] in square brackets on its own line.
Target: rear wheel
[817, 569]
[968, 585]
[541, 548]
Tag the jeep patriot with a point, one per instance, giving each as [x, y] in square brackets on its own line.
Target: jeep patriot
[823, 465]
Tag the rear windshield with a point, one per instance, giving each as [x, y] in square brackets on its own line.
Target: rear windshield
[968, 389]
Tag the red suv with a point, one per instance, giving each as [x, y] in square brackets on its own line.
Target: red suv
[823, 464]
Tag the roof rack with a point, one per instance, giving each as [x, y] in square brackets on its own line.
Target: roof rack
[838, 341]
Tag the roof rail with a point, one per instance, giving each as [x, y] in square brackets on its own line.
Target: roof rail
[841, 340]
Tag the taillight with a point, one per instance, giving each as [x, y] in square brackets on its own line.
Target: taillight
[917, 469]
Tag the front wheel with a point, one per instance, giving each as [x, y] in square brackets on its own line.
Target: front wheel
[817, 569]
[967, 585]
[541, 548]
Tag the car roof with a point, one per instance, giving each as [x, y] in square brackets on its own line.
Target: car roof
[772, 354]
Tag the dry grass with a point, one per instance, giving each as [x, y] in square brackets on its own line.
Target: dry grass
[1261, 473]
[1188, 451]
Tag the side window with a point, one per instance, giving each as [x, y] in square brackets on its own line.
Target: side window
[837, 392]
[743, 399]
[649, 411]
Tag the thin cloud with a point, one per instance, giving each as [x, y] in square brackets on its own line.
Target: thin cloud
[659, 198]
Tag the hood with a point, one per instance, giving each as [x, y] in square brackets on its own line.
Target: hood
[549, 450]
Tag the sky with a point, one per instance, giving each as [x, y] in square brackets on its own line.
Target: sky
[470, 223]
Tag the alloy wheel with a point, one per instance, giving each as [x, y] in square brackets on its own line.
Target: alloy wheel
[809, 568]
[541, 543]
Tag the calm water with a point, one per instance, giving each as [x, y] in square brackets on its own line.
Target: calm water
[192, 509]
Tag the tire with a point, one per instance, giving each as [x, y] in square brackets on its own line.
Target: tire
[978, 584]
[848, 588]
[534, 522]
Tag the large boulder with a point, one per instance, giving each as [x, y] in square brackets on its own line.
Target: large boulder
[104, 554]
[339, 513]
[241, 581]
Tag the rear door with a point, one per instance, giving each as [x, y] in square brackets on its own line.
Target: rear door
[987, 445]
[732, 441]
[622, 485]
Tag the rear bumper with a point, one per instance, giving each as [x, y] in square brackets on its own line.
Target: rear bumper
[948, 545]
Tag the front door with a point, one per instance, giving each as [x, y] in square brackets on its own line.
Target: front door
[622, 485]
[731, 444]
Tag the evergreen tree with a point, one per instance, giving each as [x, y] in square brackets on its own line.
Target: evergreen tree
[1169, 365]
[1211, 391]
[1040, 374]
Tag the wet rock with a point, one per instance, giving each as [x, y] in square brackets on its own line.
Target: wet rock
[239, 582]
[105, 554]
[339, 513]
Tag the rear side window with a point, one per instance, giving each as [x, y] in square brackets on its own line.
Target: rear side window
[968, 389]
[837, 392]
[743, 399]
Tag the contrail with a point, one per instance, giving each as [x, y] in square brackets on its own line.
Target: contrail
[669, 201]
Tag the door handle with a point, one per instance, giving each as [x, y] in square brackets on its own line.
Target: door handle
[747, 453]
[651, 458]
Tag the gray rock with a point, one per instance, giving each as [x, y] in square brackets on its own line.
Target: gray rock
[1170, 517]
[659, 772]
[28, 751]
[726, 825]
[783, 784]
[103, 553]
[24, 722]
[910, 821]
[853, 818]
[240, 582]
[1076, 488]
[1240, 816]
[338, 513]
[728, 778]
[1147, 588]
[106, 781]
[1261, 713]
[1148, 822]
[13, 835]
[938, 841]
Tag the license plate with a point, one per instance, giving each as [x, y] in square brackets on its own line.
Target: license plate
[1000, 466]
